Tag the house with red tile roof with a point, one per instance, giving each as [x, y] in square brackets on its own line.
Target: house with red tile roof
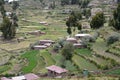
[56, 71]
[42, 42]
[29, 76]
[71, 40]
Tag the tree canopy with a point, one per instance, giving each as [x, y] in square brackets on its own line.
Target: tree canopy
[8, 26]
[116, 18]
[97, 20]
[68, 51]
[72, 21]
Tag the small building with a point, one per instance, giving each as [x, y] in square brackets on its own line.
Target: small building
[4, 78]
[42, 42]
[10, 1]
[29, 76]
[56, 71]
[78, 45]
[47, 44]
[19, 78]
[39, 47]
[37, 32]
[44, 23]
[71, 40]
[82, 35]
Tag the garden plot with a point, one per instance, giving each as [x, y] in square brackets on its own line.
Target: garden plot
[68, 64]
[84, 52]
[30, 60]
[15, 45]
[100, 61]
[100, 47]
[115, 49]
[83, 63]
[47, 57]
[114, 72]
[88, 55]
[4, 57]
[40, 64]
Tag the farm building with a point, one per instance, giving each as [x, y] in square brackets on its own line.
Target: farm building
[39, 47]
[9, 1]
[78, 45]
[71, 40]
[55, 71]
[47, 44]
[42, 42]
[29, 76]
[82, 35]
[44, 23]
[37, 32]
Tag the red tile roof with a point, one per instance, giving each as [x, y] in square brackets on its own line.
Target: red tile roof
[56, 69]
[31, 76]
[4, 78]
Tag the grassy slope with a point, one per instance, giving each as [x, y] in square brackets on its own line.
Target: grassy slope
[83, 63]
[47, 57]
[32, 61]
[100, 47]
[114, 72]
[87, 53]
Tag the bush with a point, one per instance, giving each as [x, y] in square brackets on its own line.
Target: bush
[61, 42]
[112, 39]
[56, 47]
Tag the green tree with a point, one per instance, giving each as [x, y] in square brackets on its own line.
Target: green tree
[68, 51]
[8, 26]
[86, 12]
[74, 1]
[41, 1]
[2, 10]
[97, 21]
[69, 30]
[83, 3]
[116, 18]
[15, 5]
[14, 17]
[111, 39]
[72, 21]
[79, 26]
[7, 29]
[65, 2]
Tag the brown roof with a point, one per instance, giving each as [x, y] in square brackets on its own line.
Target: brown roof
[4, 78]
[31, 76]
[56, 69]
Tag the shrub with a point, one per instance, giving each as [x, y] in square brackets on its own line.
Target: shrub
[112, 39]
[61, 42]
[56, 47]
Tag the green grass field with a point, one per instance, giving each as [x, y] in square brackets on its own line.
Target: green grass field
[31, 57]
[84, 52]
[4, 68]
[47, 57]
[100, 46]
[83, 63]
[114, 72]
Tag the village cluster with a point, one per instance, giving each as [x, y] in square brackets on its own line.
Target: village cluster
[78, 40]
